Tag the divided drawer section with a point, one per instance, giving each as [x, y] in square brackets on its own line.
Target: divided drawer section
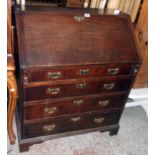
[75, 88]
[57, 108]
[76, 122]
[74, 72]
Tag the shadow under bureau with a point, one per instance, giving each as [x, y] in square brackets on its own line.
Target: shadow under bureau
[76, 69]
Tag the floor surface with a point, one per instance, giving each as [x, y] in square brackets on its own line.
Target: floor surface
[131, 140]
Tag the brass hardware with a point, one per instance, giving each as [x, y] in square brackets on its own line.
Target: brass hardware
[53, 91]
[84, 71]
[25, 80]
[50, 110]
[78, 102]
[108, 86]
[55, 75]
[79, 18]
[103, 103]
[113, 71]
[75, 119]
[49, 128]
[136, 68]
[81, 85]
[99, 120]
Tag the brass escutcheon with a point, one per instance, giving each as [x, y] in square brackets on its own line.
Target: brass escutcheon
[79, 18]
[113, 71]
[84, 71]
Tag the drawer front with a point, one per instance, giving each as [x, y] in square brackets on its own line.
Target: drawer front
[62, 73]
[75, 89]
[46, 109]
[75, 122]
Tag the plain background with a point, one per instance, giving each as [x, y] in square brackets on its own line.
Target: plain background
[3, 77]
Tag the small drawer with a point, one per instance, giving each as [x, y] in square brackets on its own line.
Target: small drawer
[82, 87]
[76, 122]
[58, 108]
[76, 72]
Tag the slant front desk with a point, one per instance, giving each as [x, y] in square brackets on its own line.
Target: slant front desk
[76, 69]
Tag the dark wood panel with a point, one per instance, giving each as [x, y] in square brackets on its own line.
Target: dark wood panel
[74, 42]
[82, 87]
[75, 122]
[46, 109]
[75, 3]
[74, 72]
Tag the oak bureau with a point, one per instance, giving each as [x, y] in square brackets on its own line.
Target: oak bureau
[76, 69]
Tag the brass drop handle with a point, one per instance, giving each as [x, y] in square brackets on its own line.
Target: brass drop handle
[78, 102]
[81, 85]
[50, 110]
[49, 128]
[103, 103]
[55, 75]
[84, 71]
[53, 91]
[113, 71]
[75, 119]
[99, 120]
[108, 86]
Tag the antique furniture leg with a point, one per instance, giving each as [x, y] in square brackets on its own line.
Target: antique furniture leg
[114, 131]
[12, 89]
